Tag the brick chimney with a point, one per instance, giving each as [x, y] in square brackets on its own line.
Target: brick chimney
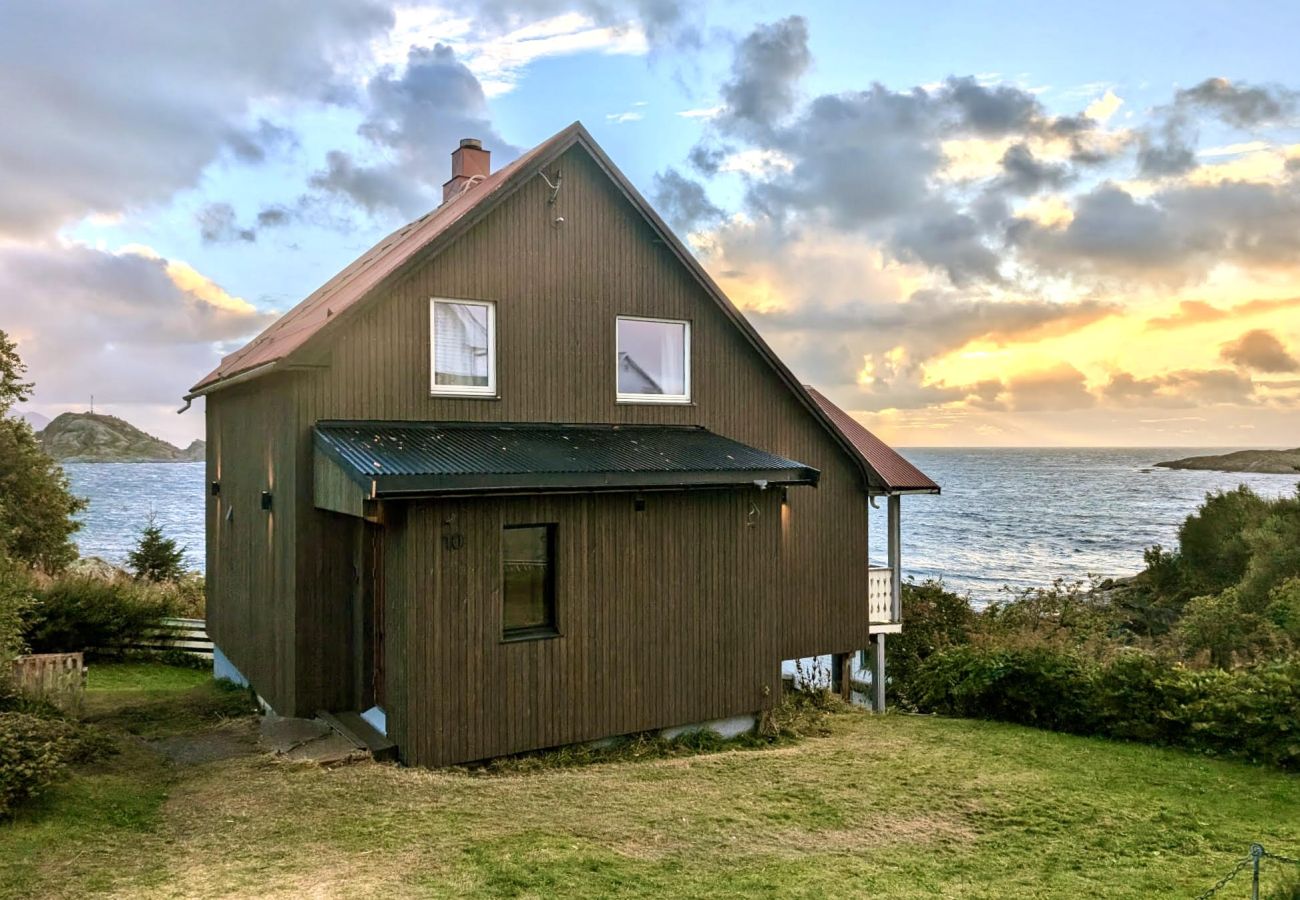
[468, 161]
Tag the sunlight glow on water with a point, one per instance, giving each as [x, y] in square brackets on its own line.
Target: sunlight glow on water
[1018, 517]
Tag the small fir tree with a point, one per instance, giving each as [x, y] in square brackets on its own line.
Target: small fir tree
[156, 556]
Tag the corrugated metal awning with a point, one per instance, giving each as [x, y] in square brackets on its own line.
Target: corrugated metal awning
[393, 459]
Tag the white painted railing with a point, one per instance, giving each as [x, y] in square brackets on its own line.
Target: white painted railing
[879, 596]
[189, 635]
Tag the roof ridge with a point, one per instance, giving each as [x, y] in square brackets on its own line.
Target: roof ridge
[353, 283]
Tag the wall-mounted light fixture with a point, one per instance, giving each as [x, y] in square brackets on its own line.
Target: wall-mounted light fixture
[785, 496]
[266, 500]
[639, 504]
[216, 488]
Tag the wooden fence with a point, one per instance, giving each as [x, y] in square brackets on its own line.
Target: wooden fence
[57, 677]
[189, 635]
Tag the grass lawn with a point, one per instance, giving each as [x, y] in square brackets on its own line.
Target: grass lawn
[893, 806]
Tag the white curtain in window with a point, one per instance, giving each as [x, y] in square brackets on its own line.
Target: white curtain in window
[460, 335]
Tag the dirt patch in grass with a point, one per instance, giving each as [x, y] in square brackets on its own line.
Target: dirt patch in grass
[235, 738]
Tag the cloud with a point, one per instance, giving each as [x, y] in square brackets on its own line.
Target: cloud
[103, 132]
[942, 237]
[664, 23]
[1022, 173]
[1198, 312]
[704, 112]
[130, 326]
[1176, 235]
[217, 225]
[413, 120]
[1184, 388]
[1244, 106]
[1061, 388]
[1260, 350]
[765, 72]
[954, 226]
[1104, 107]
[683, 202]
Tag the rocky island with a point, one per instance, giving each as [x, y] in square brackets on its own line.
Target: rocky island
[90, 437]
[1263, 462]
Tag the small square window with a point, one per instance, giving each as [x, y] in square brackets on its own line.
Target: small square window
[528, 581]
[463, 347]
[654, 360]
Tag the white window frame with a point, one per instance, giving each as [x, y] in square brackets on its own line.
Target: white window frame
[463, 390]
[686, 364]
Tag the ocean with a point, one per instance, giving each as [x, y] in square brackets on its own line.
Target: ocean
[1007, 517]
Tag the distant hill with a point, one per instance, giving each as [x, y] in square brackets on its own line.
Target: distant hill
[34, 419]
[1264, 462]
[88, 437]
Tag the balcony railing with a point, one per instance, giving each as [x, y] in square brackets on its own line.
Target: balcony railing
[880, 600]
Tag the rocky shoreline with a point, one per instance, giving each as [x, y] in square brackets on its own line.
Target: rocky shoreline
[1262, 462]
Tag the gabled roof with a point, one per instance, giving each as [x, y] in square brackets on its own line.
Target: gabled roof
[347, 290]
[298, 326]
[893, 473]
[426, 458]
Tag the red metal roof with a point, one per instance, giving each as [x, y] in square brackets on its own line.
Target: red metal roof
[351, 285]
[894, 472]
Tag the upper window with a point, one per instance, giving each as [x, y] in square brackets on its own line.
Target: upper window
[528, 581]
[654, 360]
[463, 347]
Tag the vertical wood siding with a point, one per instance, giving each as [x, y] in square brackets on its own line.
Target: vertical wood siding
[661, 619]
[558, 291]
[250, 551]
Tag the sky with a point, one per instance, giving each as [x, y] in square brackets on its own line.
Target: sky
[990, 224]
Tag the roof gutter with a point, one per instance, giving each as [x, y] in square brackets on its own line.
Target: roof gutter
[246, 375]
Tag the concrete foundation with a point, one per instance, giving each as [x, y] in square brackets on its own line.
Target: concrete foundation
[224, 670]
[725, 728]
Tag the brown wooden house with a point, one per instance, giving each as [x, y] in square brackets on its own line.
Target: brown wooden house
[522, 476]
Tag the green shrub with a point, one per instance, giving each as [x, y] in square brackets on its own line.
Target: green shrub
[936, 619]
[34, 751]
[1249, 713]
[1220, 626]
[1060, 616]
[1033, 686]
[1283, 609]
[88, 614]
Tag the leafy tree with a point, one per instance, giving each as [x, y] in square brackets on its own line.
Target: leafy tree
[15, 599]
[156, 557]
[36, 517]
[1274, 546]
[1212, 544]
